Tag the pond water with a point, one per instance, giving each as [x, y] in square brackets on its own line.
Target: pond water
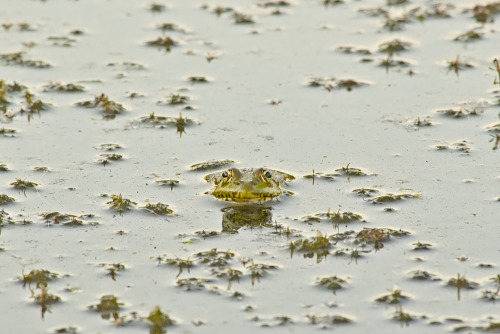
[385, 112]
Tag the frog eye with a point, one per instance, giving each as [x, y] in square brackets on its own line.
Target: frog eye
[225, 174]
[267, 174]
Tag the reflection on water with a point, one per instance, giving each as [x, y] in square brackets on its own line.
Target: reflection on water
[238, 216]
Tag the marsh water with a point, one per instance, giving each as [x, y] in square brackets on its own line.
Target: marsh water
[386, 113]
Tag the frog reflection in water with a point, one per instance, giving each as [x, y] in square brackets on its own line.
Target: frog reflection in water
[250, 187]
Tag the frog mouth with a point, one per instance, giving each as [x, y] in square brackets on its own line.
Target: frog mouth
[239, 196]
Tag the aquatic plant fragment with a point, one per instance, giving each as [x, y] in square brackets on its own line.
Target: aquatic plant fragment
[460, 282]
[106, 158]
[3, 167]
[469, 36]
[168, 182]
[63, 88]
[45, 299]
[23, 185]
[349, 49]
[394, 46]
[108, 306]
[393, 297]
[18, 58]
[211, 164]
[159, 321]
[179, 263]
[156, 7]
[318, 245]
[325, 320]
[422, 275]
[159, 209]
[38, 277]
[403, 317]
[7, 132]
[241, 18]
[215, 258]
[165, 43]
[459, 112]
[351, 171]
[389, 198]
[421, 246]
[120, 204]
[108, 107]
[259, 270]
[197, 79]
[193, 283]
[333, 283]
[365, 192]
[113, 269]
[5, 199]
[457, 65]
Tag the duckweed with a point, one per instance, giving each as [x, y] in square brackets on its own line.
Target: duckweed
[211, 164]
[333, 283]
[120, 204]
[159, 209]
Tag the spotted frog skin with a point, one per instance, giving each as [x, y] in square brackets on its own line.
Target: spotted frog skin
[248, 184]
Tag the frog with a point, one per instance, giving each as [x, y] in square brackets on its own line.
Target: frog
[248, 185]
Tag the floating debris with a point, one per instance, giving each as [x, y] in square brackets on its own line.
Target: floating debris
[113, 269]
[18, 58]
[319, 245]
[159, 321]
[5, 199]
[108, 307]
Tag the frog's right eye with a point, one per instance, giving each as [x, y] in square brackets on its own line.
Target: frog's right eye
[225, 174]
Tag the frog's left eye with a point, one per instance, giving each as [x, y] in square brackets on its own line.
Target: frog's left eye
[267, 174]
[225, 174]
